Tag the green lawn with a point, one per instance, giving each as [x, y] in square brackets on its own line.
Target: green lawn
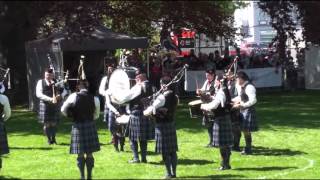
[287, 146]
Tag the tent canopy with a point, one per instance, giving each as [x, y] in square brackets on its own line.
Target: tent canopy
[58, 46]
[101, 38]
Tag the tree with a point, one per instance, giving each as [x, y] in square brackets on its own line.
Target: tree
[282, 20]
[23, 21]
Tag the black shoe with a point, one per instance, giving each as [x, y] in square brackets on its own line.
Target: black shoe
[246, 151]
[121, 148]
[133, 161]
[237, 149]
[173, 176]
[116, 148]
[54, 141]
[221, 168]
[144, 160]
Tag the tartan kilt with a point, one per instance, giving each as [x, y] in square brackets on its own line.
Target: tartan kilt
[248, 120]
[140, 128]
[235, 119]
[207, 121]
[84, 138]
[166, 138]
[4, 147]
[48, 112]
[222, 131]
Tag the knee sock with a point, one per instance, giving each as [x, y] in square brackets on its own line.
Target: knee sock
[90, 165]
[167, 161]
[81, 164]
[174, 162]
[143, 148]
[134, 148]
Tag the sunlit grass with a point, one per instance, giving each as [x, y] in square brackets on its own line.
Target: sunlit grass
[287, 146]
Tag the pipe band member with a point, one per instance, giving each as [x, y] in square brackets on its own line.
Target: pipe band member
[245, 101]
[50, 101]
[208, 89]
[117, 130]
[5, 112]
[84, 108]
[165, 129]
[222, 130]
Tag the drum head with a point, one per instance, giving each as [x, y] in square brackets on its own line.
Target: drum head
[195, 102]
[123, 119]
[119, 84]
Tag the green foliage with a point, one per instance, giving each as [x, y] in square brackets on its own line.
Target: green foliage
[285, 147]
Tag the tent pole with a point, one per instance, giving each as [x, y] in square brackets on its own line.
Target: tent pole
[148, 64]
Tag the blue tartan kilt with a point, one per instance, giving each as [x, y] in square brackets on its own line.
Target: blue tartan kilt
[140, 128]
[166, 138]
[248, 120]
[48, 112]
[4, 147]
[222, 132]
[84, 138]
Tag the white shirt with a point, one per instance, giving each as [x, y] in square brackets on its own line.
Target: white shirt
[3, 88]
[6, 107]
[102, 87]
[250, 91]
[206, 85]
[71, 100]
[157, 103]
[219, 98]
[122, 97]
[39, 91]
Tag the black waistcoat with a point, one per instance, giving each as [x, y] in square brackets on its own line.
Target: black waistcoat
[83, 110]
[166, 113]
[46, 90]
[139, 102]
[243, 95]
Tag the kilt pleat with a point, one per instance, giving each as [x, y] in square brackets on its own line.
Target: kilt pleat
[222, 132]
[48, 112]
[84, 138]
[248, 120]
[4, 147]
[140, 128]
[166, 138]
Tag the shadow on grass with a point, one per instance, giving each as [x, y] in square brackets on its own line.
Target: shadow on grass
[31, 148]
[271, 168]
[188, 162]
[8, 177]
[219, 176]
[263, 151]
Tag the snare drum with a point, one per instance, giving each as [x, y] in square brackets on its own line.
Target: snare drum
[194, 107]
[123, 119]
[120, 82]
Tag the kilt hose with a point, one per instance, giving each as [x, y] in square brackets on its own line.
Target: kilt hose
[84, 138]
[106, 114]
[222, 132]
[248, 120]
[48, 112]
[140, 128]
[4, 147]
[166, 138]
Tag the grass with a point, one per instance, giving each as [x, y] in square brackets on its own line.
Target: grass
[287, 146]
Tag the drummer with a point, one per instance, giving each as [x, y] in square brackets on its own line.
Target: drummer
[208, 88]
[140, 129]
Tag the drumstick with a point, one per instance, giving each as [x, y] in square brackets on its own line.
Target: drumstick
[197, 83]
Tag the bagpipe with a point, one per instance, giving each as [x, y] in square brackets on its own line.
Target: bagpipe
[5, 76]
[61, 82]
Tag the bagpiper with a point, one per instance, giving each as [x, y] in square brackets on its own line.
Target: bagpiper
[165, 129]
[84, 108]
[245, 101]
[5, 112]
